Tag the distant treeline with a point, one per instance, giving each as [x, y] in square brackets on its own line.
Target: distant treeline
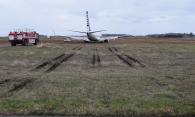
[172, 35]
[3, 38]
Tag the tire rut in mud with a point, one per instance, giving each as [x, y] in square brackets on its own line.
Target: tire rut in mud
[99, 59]
[125, 58]
[135, 60]
[96, 60]
[57, 61]
[4, 81]
[115, 49]
[21, 85]
[77, 48]
[16, 86]
[48, 62]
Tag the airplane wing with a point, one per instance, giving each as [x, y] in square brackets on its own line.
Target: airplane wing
[73, 38]
[77, 31]
[109, 38]
[98, 31]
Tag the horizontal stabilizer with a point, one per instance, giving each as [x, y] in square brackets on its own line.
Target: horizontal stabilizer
[77, 31]
[98, 31]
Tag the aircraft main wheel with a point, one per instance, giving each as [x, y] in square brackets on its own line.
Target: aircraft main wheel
[106, 41]
[86, 41]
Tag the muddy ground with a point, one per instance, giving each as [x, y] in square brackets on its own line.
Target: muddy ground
[142, 77]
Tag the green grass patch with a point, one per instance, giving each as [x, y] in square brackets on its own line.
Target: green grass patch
[78, 106]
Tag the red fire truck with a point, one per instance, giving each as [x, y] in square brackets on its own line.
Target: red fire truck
[23, 37]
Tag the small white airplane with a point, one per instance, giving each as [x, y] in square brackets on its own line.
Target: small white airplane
[90, 37]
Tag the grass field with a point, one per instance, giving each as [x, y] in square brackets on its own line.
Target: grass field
[142, 78]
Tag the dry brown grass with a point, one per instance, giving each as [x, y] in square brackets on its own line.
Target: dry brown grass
[156, 41]
[120, 86]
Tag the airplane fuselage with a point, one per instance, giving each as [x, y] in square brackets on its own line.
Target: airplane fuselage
[92, 37]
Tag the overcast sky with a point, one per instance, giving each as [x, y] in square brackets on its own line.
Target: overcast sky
[135, 17]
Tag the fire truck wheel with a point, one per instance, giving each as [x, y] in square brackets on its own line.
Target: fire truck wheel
[36, 42]
[25, 43]
[13, 44]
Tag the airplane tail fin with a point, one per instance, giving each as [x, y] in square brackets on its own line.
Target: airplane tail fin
[88, 23]
[88, 26]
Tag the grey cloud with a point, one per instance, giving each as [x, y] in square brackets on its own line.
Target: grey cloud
[116, 16]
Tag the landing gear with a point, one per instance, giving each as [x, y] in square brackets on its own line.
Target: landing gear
[86, 41]
[106, 41]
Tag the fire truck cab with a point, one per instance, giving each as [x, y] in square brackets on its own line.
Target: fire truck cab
[23, 37]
